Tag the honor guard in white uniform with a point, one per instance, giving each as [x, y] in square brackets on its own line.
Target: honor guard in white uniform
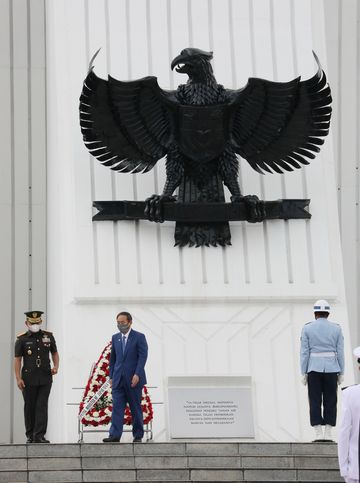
[349, 431]
[322, 368]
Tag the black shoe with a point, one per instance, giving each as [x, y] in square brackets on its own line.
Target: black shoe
[110, 439]
[29, 440]
[137, 440]
[40, 439]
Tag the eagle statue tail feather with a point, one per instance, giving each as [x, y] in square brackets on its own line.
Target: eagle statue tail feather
[200, 234]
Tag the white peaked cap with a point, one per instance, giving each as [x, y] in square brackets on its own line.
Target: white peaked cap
[321, 306]
[356, 352]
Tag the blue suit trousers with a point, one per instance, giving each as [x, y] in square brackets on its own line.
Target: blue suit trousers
[121, 395]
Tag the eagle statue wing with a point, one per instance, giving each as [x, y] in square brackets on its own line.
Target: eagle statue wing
[125, 125]
[276, 126]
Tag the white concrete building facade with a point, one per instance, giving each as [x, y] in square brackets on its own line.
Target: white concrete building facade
[207, 311]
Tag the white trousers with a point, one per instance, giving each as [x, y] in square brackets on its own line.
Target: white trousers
[350, 480]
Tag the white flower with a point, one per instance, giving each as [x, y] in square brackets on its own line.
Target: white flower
[95, 414]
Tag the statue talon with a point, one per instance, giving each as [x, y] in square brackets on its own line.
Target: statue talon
[154, 207]
[255, 208]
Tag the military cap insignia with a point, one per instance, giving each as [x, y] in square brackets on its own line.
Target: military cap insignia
[34, 316]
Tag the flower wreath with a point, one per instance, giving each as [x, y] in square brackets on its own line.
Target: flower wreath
[100, 413]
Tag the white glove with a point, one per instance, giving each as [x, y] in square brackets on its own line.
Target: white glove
[340, 379]
[304, 379]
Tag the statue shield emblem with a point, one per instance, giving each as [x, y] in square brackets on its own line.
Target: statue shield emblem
[201, 133]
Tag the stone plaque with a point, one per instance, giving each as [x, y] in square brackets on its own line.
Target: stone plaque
[210, 407]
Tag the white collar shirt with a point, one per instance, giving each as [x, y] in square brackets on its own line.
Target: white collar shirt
[126, 335]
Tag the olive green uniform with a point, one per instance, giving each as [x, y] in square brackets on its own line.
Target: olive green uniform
[34, 348]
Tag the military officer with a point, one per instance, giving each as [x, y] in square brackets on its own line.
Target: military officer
[33, 374]
[322, 368]
[349, 434]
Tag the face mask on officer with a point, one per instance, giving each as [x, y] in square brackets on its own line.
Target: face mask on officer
[34, 328]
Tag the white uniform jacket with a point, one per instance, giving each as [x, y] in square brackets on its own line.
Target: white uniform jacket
[318, 337]
[348, 437]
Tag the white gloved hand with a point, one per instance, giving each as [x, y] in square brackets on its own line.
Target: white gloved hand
[304, 379]
[340, 379]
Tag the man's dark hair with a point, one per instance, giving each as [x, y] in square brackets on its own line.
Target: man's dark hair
[127, 315]
[323, 315]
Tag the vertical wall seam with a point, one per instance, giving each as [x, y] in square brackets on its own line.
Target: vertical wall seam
[260, 176]
[210, 25]
[266, 238]
[91, 159]
[128, 39]
[171, 53]
[308, 234]
[46, 157]
[211, 45]
[170, 43]
[30, 163]
[204, 267]
[262, 186]
[12, 275]
[309, 242]
[245, 241]
[233, 82]
[189, 13]
[284, 224]
[115, 224]
[232, 44]
[357, 180]
[204, 257]
[339, 141]
[134, 176]
[155, 170]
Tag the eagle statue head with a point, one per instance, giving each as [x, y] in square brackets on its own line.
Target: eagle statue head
[195, 63]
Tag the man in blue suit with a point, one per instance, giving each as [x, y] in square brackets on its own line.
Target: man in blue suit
[322, 368]
[127, 375]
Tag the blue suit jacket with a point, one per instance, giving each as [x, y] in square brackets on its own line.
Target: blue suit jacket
[123, 366]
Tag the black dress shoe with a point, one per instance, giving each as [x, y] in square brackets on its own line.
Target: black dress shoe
[137, 440]
[41, 439]
[29, 440]
[110, 439]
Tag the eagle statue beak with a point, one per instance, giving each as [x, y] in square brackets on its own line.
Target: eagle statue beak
[180, 59]
[187, 56]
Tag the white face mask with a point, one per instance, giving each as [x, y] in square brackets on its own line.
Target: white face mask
[34, 328]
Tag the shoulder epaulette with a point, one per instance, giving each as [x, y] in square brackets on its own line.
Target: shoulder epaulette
[47, 332]
[21, 334]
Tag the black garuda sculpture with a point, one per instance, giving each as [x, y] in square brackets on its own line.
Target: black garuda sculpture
[201, 128]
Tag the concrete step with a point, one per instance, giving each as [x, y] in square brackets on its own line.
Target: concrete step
[169, 462]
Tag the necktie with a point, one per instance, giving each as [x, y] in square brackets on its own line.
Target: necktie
[123, 341]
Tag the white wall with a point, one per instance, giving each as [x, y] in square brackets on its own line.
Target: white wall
[237, 310]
